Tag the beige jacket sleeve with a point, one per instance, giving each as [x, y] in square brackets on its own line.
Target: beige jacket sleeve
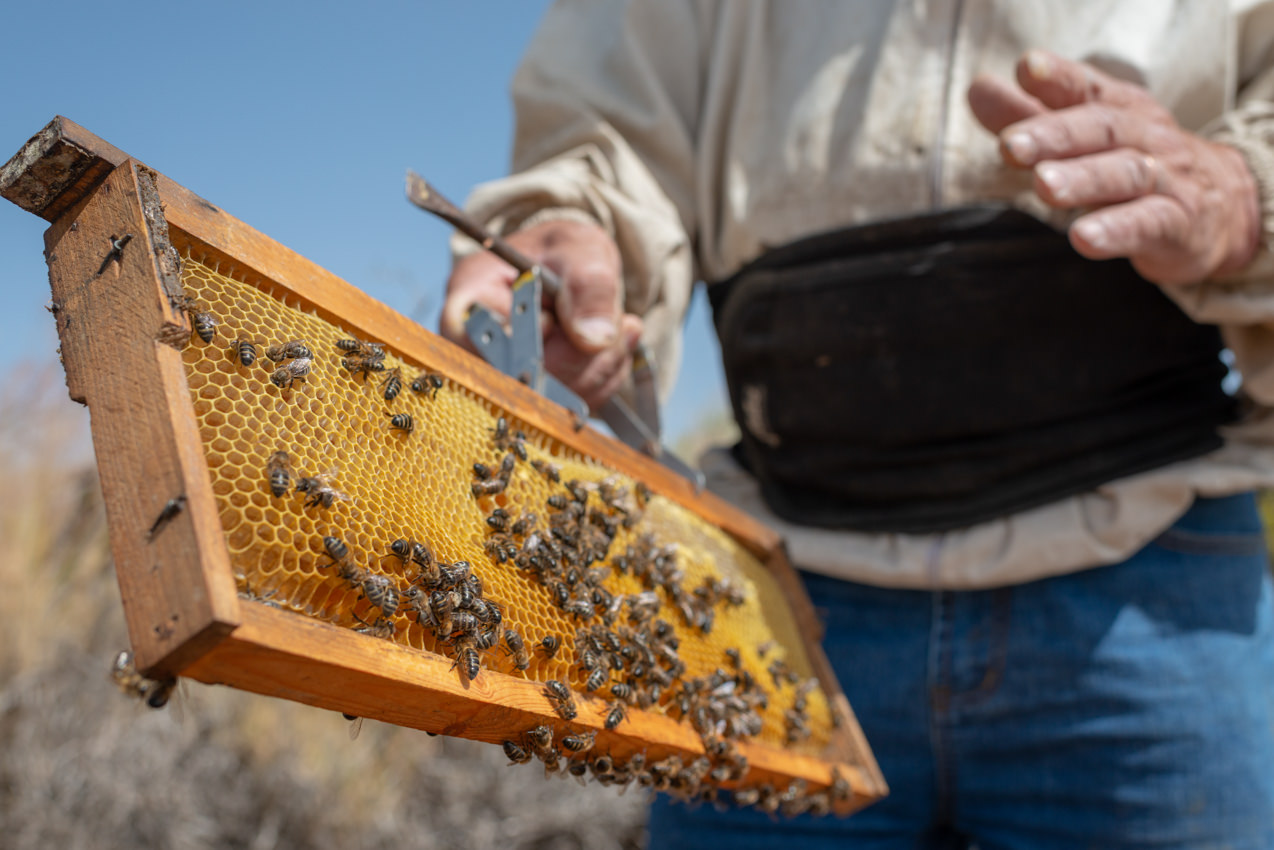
[1242, 304]
[606, 102]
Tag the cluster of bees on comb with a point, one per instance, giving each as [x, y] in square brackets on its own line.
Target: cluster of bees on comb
[580, 547]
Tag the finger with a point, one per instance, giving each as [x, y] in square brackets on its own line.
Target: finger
[1154, 232]
[1059, 82]
[1110, 177]
[477, 279]
[996, 103]
[594, 376]
[1076, 131]
[590, 303]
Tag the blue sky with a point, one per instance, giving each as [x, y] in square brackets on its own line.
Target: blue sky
[299, 119]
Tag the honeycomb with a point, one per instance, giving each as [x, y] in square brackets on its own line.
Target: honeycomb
[389, 483]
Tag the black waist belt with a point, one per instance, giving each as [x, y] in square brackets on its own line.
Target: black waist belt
[934, 372]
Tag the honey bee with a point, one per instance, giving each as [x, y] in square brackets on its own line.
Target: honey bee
[596, 679]
[516, 647]
[455, 574]
[489, 488]
[292, 350]
[819, 804]
[764, 649]
[548, 470]
[840, 789]
[401, 422]
[580, 608]
[155, 692]
[427, 384]
[363, 364]
[552, 763]
[467, 659]
[361, 348]
[383, 593]
[339, 553]
[500, 433]
[579, 769]
[382, 628]
[579, 742]
[412, 551]
[320, 490]
[205, 325]
[515, 752]
[292, 370]
[617, 714]
[393, 383]
[559, 695]
[524, 525]
[549, 645]
[501, 548]
[278, 470]
[541, 740]
[779, 671]
[601, 764]
[246, 351]
[499, 519]
[355, 725]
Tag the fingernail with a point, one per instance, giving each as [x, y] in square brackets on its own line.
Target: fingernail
[595, 330]
[1092, 232]
[1038, 64]
[1022, 147]
[1054, 178]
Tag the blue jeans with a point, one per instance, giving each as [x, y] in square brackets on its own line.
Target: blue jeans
[1123, 706]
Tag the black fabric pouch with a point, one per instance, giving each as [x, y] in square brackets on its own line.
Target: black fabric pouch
[932, 372]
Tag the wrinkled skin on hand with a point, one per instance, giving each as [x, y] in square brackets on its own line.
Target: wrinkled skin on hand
[1180, 207]
[588, 338]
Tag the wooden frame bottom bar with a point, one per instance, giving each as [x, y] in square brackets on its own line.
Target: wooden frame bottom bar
[280, 654]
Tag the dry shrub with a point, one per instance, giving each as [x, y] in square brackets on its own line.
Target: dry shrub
[81, 765]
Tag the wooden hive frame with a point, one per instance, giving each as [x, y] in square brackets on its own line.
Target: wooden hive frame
[121, 340]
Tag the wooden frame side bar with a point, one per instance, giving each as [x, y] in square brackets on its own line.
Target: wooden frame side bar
[166, 539]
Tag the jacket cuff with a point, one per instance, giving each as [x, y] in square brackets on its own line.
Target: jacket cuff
[1250, 131]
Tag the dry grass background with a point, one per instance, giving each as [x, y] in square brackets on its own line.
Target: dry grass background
[83, 766]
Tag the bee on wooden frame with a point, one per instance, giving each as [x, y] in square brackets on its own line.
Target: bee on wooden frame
[155, 692]
[559, 695]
